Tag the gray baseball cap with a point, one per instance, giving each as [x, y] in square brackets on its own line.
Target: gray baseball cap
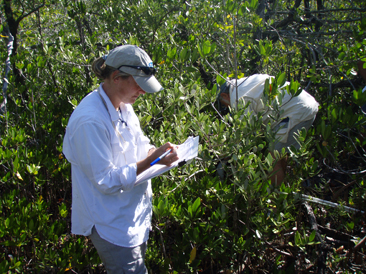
[136, 62]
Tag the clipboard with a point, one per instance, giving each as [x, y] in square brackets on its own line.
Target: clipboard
[186, 152]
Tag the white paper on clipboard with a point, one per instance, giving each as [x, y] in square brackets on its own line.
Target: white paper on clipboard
[186, 151]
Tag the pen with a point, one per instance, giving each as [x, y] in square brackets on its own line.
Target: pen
[161, 157]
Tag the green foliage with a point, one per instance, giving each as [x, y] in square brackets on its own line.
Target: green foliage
[201, 222]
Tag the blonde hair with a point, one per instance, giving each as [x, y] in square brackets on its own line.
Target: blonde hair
[102, 71]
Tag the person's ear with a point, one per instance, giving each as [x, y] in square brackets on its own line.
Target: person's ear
[115, 76]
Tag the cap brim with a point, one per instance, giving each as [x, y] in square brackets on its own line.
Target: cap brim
[148, 84]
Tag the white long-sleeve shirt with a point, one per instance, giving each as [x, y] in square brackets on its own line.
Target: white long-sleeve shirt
[298, 109]
[103, 169]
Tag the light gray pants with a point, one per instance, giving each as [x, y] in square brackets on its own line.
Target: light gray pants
[291, 135]
[118, 259]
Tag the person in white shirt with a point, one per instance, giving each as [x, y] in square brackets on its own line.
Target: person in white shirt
[296, 112]
[107, 150]
[362, 72]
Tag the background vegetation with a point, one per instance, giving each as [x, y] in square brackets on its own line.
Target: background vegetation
[201, 224]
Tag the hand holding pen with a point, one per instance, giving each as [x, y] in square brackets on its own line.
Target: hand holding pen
[167, 154]
[160, 157]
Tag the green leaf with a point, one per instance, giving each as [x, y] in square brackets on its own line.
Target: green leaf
[31, 224]
[192, 255]
[16, 164]
[220, 80]
[200, 51]
[191, 69]
[223, 212]
[262, 50]
[171, 53]
[230, 5]
[297, 238]
[328, 132]
[183, 54]
[334, 114]
[241, 10]
[295, 88]
[253, 4]
[33, 169]
[351, 225]
[281, 79]
[194, 56]
[19, 65]
[206, 47]
[196, 205]
[341, 56]
[312, 236]
[7, 222]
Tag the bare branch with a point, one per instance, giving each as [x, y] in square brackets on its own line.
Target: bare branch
[29, 13]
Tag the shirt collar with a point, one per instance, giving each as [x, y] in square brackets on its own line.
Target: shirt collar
[111, 110]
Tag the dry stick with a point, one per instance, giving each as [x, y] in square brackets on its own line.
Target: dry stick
[325, 202]
[338, 235]
[162, 242]
[236, 64]
[358, 246]
[336, 195]
[312, 220]
[222, 118]
[314, 226]
[337, 243]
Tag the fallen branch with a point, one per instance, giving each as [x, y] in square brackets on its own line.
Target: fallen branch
[308, 198]
[336, 242]
[340, 236]
[328, 203]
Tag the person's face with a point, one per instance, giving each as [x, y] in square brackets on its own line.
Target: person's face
[225, 99]
[128, 90]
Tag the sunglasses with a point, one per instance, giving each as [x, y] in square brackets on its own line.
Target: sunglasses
[146, 70]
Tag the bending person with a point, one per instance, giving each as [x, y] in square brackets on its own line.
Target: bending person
[362, 72]
[107, 150]
[296, 112]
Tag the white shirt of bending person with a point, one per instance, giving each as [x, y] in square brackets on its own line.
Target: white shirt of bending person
[298, 109]
[104, 171]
